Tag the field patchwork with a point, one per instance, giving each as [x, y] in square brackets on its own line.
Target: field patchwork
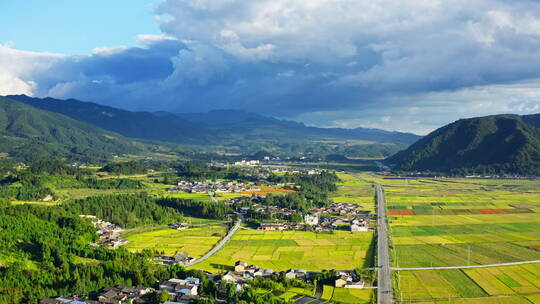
[282, 250]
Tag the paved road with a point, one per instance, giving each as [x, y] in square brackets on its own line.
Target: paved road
[469, 266]
[384, 277]
[219, 245]
[385, 294]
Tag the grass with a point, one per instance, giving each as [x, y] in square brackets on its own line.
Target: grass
[353, 190]
[460, 222]
[195, 241]
[282, 250]
[328, 292]
[351, 295]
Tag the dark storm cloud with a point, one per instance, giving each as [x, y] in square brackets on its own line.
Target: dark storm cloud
[309, 59]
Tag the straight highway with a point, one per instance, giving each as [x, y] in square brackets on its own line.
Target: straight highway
[384, 277]
[385, 294]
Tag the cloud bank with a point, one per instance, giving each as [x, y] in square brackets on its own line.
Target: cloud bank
[327, 62]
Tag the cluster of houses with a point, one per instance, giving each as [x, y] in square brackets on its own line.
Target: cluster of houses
[247, 163]
[109, 233]
[346, 280]
[270, 211]
[179, 226]
[243, 272]
[108, 295]
[341, 223]
[296, 170]
[185, 291]
[181, 290]
[314, 223]
[181, 258]
[217, 187]
[348, 209]
[280, 226]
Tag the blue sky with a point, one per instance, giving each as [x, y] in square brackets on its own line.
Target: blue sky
[411, 65]
[75, 26]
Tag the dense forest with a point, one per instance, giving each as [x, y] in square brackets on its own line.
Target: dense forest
[202, 171]
[313, 190]
[501, 144]
[44, 252]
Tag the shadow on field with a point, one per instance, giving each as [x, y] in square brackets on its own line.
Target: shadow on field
[371, 251]
[222, 267]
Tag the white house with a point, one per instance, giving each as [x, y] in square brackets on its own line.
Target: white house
[311, 220]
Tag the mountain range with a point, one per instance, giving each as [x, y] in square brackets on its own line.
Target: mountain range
[224, 127]
[483, 145]
[28, 132]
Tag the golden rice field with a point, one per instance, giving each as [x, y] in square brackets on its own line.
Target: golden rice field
[282, 250]
[512, 284]
[195, 241]
[353, 190]
[452, 222]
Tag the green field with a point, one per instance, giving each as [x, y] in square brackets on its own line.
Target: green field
[282, 250]
[352, 296]
[484, 284]
[353, 190]
[452, 222]
[195, 241]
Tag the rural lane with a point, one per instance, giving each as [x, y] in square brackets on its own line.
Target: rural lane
[218, 245]
[468, 266]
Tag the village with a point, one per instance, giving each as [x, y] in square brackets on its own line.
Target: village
[187, 290]
[213, 186]
[109, 234]
[337, 216]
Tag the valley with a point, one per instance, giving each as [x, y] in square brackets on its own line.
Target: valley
[290, 224]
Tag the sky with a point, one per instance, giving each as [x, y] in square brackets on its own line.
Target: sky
[411, 65]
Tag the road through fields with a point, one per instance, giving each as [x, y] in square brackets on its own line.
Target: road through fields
[384, 277]
[219, 245]
[385, 293]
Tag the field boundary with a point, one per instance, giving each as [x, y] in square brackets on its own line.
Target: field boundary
[466, 267]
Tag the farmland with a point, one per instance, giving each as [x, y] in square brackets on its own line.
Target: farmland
[282, 250]
[353, 190]
[195, 241]
[454, 222]
[515, 284]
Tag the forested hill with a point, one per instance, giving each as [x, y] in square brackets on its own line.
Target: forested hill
[533, 119]
[492, 144]
[145, 125]
[27, 132]
[214, 127]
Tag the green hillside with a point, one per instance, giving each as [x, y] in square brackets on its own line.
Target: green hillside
[27, 132]
[492, 144]
[236, 131]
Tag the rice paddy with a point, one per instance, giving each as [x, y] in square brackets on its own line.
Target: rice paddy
[195, 241]
[519, 283]
[282, 250]
[454, 222]
[353, 190]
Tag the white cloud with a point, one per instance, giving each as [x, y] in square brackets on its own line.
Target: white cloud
[107, 51]
[410, 65]
[18, 67]
[151, 38]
